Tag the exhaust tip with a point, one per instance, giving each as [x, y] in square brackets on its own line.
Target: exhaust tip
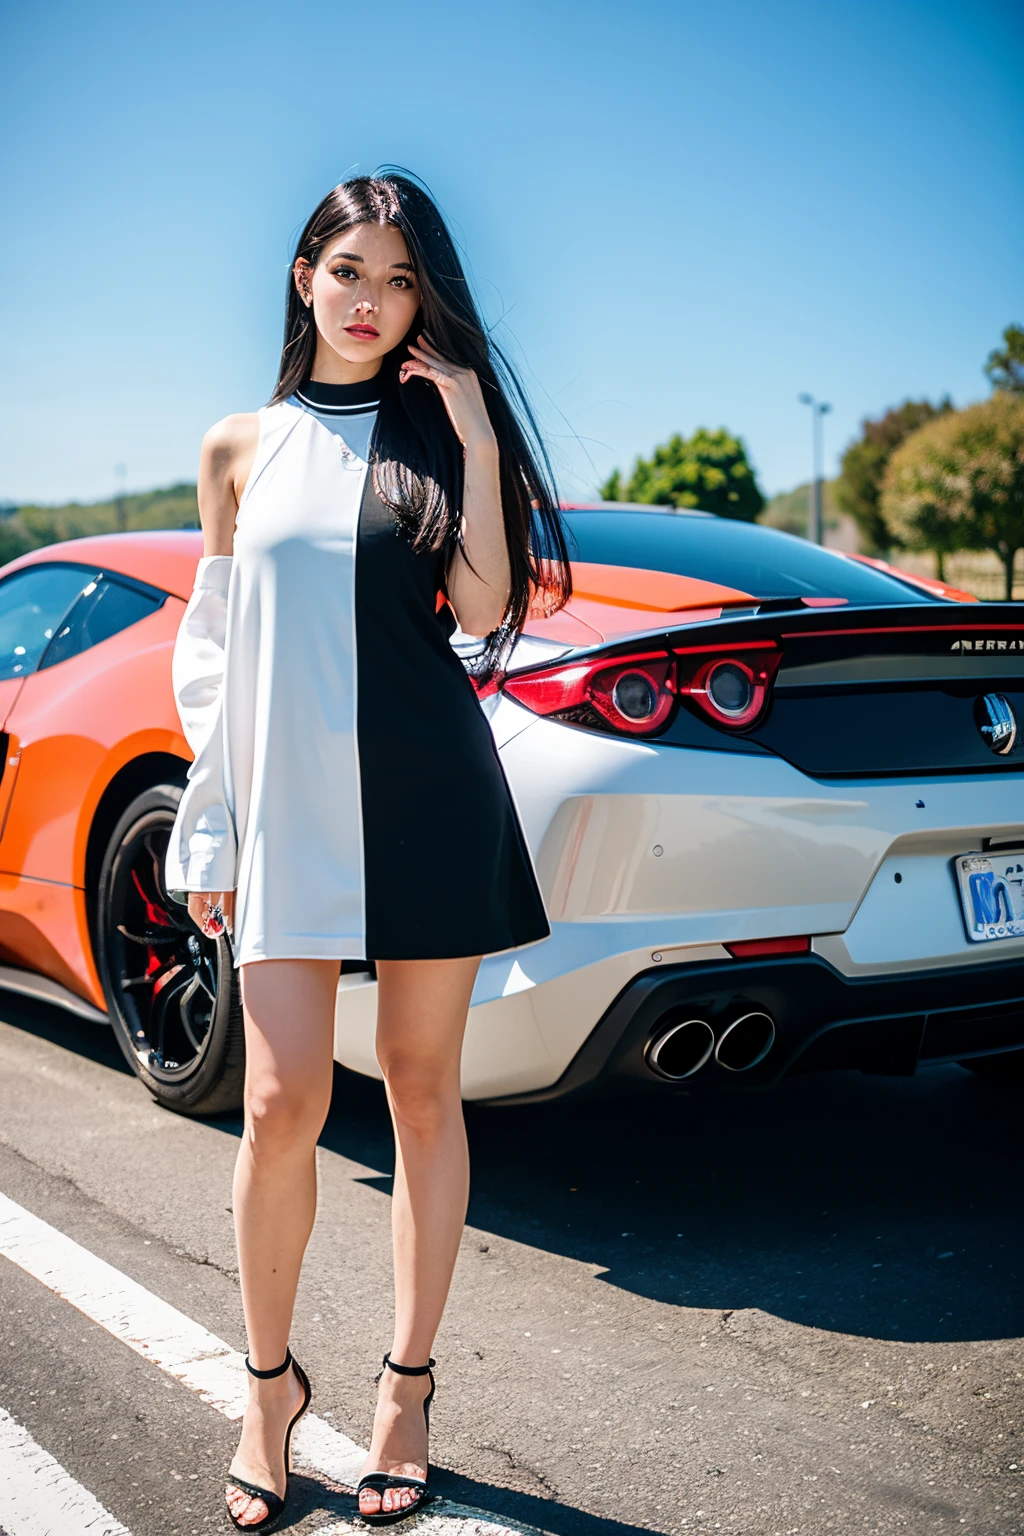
[680, 1049]
[746, 1041]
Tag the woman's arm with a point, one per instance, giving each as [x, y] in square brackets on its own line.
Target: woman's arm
[479, 578]
[478, 587]
[225, 461]
[201, 852]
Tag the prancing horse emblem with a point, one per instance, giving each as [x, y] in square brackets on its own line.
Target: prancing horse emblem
[996, 722]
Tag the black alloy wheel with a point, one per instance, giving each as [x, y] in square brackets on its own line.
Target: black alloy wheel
[172, 994]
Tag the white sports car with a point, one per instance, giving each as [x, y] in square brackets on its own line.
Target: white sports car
[774, 795]
[776, 802]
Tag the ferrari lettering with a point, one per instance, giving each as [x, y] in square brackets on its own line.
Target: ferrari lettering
[987, 645]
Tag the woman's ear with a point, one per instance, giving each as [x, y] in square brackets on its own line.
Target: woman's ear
[302, 272]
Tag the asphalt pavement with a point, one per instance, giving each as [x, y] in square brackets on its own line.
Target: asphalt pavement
[797, 1312]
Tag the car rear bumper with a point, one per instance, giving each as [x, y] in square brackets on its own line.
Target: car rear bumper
[822, 1020]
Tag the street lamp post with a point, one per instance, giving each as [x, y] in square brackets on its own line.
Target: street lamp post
[815, 529]
[120, 507]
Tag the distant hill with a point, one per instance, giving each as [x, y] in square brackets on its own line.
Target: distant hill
[175, 506]
[789, 511]
[28, 527]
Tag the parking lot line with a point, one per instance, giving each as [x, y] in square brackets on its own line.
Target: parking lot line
[159, 1333]
[193, 1356]
[37, 1496]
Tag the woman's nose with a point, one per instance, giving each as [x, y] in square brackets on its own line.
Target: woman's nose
[367, 304]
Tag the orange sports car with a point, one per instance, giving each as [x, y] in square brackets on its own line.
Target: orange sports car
[94, 761]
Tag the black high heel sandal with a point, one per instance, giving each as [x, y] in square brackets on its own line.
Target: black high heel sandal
[381, 1481]
[275, 1502]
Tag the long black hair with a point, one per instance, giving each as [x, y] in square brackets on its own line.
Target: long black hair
[416, 457]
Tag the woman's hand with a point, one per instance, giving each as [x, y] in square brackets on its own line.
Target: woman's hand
[460, 390]
[478, 578]
[212, 912]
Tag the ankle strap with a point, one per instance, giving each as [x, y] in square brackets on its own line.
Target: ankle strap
[407, 1370]
[278, 1370]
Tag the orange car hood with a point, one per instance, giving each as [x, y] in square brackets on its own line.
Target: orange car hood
[611, 600]
[607, 600]
[166, 557]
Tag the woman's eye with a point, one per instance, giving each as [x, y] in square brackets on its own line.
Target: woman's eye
[402, 282]
[344, 272]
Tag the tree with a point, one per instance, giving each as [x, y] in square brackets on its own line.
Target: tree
[863, 467]
[958, 483]
[1005, 366]
[613, 488]
[709, 470]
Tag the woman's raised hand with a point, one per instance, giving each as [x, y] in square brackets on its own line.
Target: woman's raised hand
[212, 912]
[460, 390]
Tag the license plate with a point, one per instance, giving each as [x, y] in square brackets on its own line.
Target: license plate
[992, 893]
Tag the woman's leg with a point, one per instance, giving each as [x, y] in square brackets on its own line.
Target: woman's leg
[422, 1006]
[289, 1043]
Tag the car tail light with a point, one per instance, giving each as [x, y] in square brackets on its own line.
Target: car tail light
[729, 684]
[632, 693]
[763, 949]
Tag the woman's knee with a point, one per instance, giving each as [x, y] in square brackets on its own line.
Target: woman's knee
[281, 1117]
[423, 1092]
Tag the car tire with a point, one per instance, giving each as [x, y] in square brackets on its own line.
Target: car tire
[1008, 1067]
[172, 993]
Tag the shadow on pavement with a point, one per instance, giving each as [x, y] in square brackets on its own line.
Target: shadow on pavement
[308, 1496]
[81, 1036]
[878, 1207]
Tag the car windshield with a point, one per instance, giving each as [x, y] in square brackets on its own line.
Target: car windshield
[758, 561]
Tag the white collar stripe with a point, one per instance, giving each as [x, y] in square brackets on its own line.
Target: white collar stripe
[366, 408]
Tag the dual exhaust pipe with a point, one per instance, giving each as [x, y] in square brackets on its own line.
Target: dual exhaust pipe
[682, 1045]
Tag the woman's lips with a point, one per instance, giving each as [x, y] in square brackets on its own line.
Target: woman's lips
[365, 332]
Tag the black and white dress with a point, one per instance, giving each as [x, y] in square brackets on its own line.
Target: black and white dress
[345, 779]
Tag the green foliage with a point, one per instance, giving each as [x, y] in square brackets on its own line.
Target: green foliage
[858, 488]
[14, 540]
[30, 527]
[790, 510]
[612, 489]
[709, 470]
[958, 483]
[1005, 366]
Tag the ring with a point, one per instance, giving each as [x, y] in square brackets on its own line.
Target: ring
[213, 923]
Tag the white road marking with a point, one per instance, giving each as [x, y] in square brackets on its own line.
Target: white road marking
[159, 1333]
[195, 1357]
[444, 1519]
[37, 1496]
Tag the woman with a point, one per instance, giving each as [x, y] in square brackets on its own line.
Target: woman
[346, 801]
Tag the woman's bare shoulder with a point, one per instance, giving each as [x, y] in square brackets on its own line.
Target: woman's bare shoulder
[232, 437]
[228, 451]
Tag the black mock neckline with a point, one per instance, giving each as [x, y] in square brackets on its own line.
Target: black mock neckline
[328, 396]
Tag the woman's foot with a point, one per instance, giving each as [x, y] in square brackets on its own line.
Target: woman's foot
[260, 1456]
[398, 1445]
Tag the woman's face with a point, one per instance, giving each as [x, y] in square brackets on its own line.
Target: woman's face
[364, 294]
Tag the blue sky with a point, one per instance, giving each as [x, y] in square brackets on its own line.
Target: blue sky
[681, 214]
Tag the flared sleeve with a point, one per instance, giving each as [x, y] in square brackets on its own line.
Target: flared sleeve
[202, 850]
